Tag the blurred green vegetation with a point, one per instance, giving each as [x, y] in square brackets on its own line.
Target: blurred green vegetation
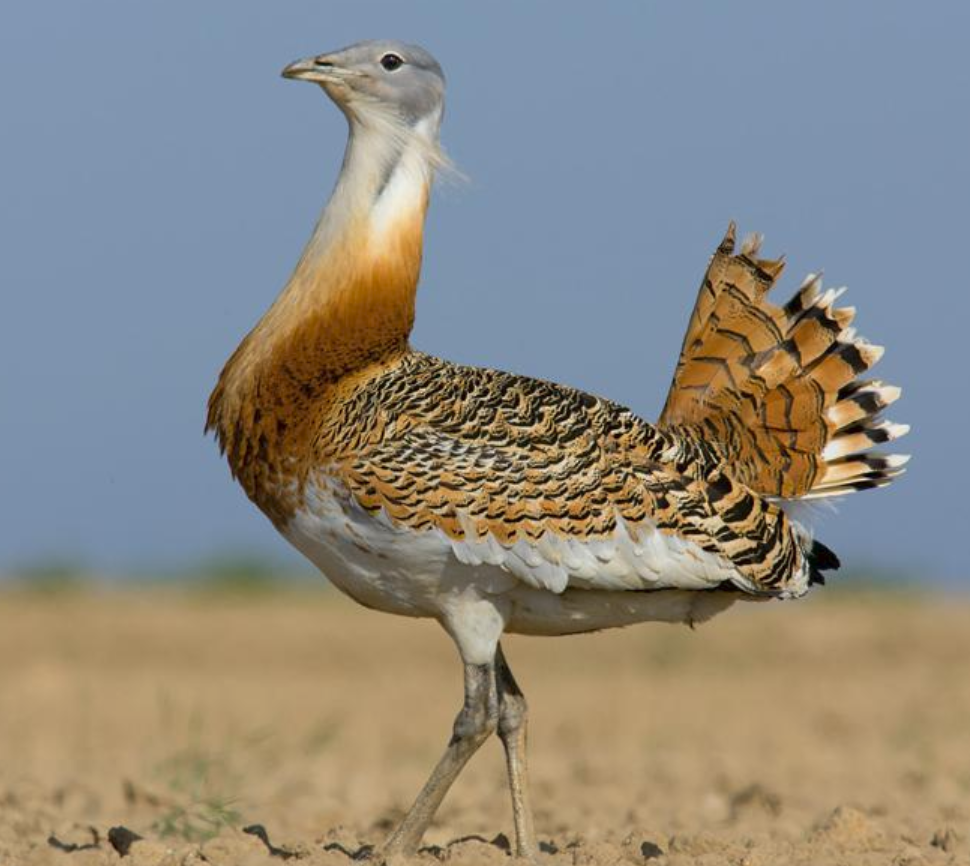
[246, 574]
[242, 573]
[231, 573]
[54, 576]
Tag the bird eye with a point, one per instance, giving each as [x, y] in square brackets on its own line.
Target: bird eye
[392, 61]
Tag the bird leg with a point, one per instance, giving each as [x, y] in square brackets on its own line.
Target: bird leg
[474, 724]
[512, 718]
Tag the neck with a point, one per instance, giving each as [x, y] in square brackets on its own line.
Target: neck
[350, 300]
[349, 304]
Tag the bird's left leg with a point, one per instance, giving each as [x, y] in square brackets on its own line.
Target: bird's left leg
[512, 718]
[475, 625]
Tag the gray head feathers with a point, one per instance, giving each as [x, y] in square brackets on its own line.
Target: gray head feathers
[384, 77]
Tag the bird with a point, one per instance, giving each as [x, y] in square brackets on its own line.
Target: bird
[496, 503]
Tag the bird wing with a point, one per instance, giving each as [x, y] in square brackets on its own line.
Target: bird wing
[555, 486]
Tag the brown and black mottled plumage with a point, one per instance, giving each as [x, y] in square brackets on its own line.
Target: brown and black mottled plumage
[759, 393]
[477, 452]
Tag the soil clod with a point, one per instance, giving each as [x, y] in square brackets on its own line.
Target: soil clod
[91, 834]
[259, 831]
[121, 839]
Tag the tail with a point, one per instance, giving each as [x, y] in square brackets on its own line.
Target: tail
[775, 391]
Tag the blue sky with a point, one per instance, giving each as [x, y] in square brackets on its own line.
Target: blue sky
[159, 179]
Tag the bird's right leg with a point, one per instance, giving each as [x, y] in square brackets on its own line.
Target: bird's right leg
[474, 724]
[512, 718]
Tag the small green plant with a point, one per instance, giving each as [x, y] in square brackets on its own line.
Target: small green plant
[197, 821]
[197, 779]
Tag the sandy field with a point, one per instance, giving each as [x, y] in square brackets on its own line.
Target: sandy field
[150, 727]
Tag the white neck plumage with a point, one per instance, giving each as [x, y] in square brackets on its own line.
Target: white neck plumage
[386, 176]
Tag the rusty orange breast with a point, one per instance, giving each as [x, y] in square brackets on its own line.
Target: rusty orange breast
[346, 311]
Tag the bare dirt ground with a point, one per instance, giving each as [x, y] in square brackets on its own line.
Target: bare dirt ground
[830, 731]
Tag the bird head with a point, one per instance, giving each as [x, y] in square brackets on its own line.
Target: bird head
[381, 81]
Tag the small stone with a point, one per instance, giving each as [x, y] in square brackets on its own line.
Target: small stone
[258, 831]
[74, 837]
[850, 828]
[714, 807]
[946, 839]
[640, 846]
[502, 841]
[121, 839]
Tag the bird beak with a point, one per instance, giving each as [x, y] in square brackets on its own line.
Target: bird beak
[320, 69]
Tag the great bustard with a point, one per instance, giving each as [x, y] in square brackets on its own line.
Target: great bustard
[496, 503]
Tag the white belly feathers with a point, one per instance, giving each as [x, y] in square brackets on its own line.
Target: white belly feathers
[554, 586]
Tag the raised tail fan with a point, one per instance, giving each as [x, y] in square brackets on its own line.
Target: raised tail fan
[776, 390]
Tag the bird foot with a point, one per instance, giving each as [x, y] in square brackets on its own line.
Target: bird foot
[527, 855]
